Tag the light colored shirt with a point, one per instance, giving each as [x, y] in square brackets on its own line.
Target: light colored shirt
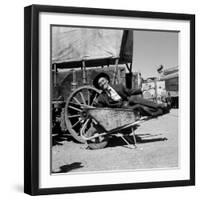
[113, 94]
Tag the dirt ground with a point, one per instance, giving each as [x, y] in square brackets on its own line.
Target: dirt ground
[157, 147]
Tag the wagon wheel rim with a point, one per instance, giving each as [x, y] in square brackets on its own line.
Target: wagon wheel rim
[75, 117]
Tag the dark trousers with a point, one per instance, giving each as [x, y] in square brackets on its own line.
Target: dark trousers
[133, 100]
[146, 107]
[146, 111]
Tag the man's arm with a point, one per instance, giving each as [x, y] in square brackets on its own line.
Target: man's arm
[130, 92]
[102, 101]
[99, 102]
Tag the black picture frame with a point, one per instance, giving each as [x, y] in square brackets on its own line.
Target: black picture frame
[31, 98]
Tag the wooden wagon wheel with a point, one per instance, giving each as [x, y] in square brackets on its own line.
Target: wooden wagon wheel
[74, 113]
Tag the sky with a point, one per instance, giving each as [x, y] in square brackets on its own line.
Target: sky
[153, 48]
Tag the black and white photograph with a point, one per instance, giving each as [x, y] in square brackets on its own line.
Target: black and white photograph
[109, 100]
[114, 99]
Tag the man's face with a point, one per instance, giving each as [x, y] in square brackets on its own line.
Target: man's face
[103, 83]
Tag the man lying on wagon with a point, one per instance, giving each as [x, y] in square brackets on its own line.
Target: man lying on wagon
[118, 96]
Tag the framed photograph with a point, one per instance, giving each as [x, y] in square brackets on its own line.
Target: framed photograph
[109, 99]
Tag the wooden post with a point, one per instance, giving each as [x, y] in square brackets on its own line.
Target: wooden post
[74, 82]
[54, 75]
[84, 73]
[116, 71]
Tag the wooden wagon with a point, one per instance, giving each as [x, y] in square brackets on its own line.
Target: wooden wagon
[78, 55]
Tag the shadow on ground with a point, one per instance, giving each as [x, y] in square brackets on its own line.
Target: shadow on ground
[70, 167]
[59, 138]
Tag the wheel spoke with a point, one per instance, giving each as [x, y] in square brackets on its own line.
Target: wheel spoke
[72, 116]
[77, 104]
[94, 99]
[82, 97]
[74, 108]
[77, 101]
[86, 122]
[88, 97]
[76, 123]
